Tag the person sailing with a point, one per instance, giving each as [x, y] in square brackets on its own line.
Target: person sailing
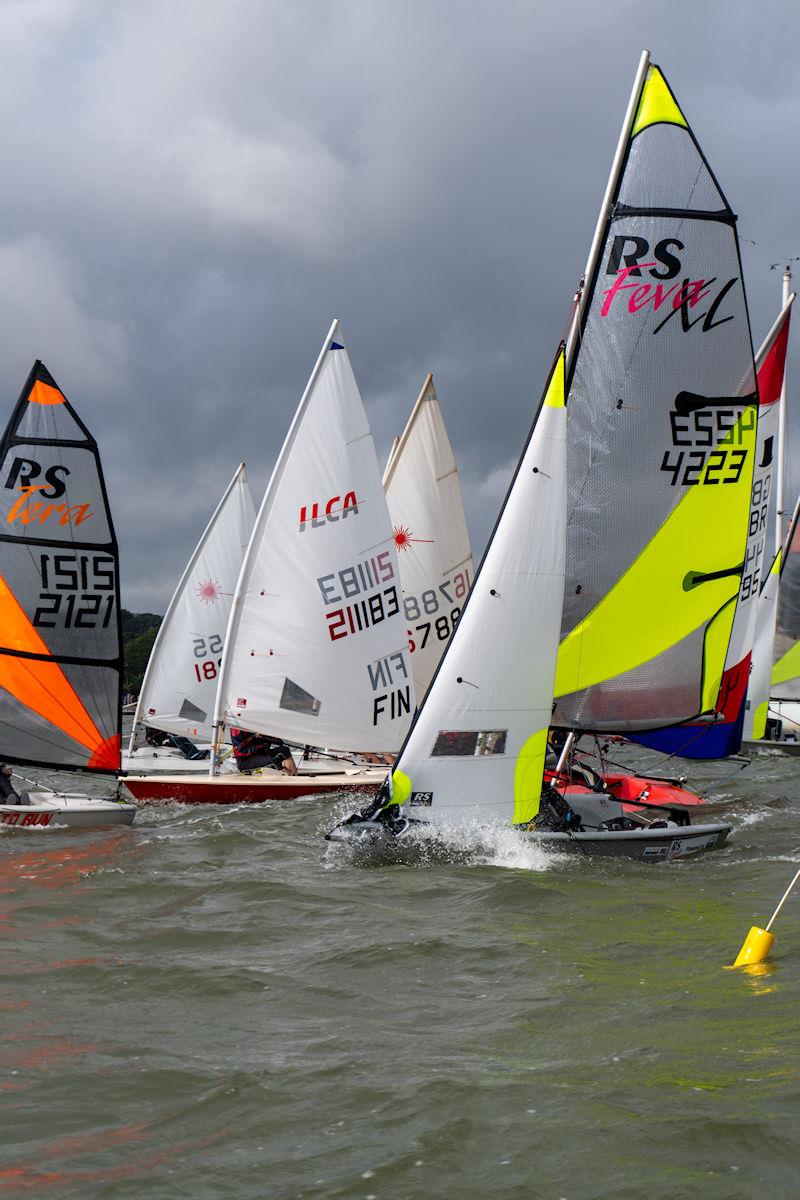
[254, 750]
[8, 793]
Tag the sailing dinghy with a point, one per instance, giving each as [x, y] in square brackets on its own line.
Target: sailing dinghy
[180, 682]
[60, 631]
[609, 585]
[316, 650]
[423, 492]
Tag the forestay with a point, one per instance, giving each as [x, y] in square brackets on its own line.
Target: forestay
[476, 750]
[60, 637]
[423, 492]
[316, 649]
[661, 431]
[180, 682]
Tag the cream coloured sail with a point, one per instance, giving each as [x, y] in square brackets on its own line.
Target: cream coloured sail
[476, 750]
[423, 492]
[316, 649]
[180, 682]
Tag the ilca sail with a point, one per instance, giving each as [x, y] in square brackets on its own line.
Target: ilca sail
[423, 492]
[316, 649]
[180, 683]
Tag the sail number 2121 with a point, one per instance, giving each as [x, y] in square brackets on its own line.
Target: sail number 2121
[78, 591]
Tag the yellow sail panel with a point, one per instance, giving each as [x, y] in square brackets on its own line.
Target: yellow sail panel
[787, 667]
[621, 633]
[657, 105]
[554, 396]
[715, 651]
[528, 774]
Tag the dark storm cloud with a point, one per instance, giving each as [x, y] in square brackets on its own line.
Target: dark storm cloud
[193, 190]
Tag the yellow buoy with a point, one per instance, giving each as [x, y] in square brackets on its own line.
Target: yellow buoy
[758, 942]
[757, 946]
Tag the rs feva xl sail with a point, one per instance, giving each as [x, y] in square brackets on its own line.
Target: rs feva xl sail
[180, 682]
[719, 733]
[430, 531]
[316, 648]
[60, 639]
[661, 423]
[476, 750]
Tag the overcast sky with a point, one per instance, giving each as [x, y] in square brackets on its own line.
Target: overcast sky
[193, 189]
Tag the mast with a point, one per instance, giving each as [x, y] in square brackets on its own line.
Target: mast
[585, 289]
[780, 481]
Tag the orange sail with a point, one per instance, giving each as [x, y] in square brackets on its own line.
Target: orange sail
[43, 687]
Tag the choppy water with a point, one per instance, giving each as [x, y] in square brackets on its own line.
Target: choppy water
[217, 1004]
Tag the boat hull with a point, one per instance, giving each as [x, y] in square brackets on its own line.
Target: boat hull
[251, 789]
[647, 845]
[53, 810]
[765, 747]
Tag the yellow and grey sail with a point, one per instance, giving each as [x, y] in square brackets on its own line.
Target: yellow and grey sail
[661, 424]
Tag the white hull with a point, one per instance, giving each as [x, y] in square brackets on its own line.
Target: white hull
[147, 759]
[57, 810]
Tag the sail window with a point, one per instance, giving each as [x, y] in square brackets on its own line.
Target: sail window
[297, 699]
[462, 743]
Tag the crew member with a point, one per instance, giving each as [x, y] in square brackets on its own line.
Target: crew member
[254, 750]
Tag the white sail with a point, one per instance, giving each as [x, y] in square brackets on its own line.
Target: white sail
[476, 750]
[316, 650]
[423, 492]
[180, 682]
[770, 362]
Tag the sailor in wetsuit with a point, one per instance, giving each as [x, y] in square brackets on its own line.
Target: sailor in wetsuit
[254, 750]
[7, 793]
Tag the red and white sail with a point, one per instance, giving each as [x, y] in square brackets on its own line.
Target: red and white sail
[316, 650]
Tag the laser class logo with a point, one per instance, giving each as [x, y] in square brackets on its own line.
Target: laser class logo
[209, 591]
[402, 538]
[682, 297]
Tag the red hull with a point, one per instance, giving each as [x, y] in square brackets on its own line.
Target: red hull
[233, 789]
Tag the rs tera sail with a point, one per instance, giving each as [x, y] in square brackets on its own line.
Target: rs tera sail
[60, 633]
